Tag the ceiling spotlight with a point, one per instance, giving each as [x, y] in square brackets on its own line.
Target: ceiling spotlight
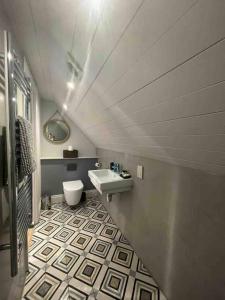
[13, 99]
[70, 85]
[96, 4]
[1, 97]
[65, 106]
[9, 56]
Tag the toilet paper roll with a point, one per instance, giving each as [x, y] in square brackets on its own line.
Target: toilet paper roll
[98, 165]
[70, 148]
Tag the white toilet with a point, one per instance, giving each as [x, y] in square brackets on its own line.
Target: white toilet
[72, 191]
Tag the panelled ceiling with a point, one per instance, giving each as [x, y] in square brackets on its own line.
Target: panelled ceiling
[153, 81]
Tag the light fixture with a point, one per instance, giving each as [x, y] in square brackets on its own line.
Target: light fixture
[96, 5]
[70, 85]
[9, 56]
[65, 106]
[1, 97]
[75, 69]
[13, 99]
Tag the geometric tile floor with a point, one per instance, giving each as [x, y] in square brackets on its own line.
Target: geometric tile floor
[81, 254]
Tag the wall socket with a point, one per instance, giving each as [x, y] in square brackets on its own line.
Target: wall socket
[140, 172]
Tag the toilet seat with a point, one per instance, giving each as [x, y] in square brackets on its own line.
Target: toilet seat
[73, 185]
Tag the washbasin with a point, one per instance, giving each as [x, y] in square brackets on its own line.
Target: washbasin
[107, 181]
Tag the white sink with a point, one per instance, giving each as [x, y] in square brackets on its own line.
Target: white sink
[107, 181]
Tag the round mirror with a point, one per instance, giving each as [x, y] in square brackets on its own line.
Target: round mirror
[56, 131]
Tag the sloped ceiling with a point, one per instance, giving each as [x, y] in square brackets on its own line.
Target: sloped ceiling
[153, 79]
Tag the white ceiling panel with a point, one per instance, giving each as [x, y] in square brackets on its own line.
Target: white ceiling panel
[196, 125]
[136, 41]
[153, 80]
[107, 36]
[207, 71]
[206, 101]
[195, 32]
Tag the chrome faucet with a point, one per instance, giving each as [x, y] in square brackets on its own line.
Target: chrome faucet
[116, 167]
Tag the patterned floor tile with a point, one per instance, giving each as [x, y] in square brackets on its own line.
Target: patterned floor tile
[49, 213]
[62, 217]
[86, 212]
[110, 221]
[65, 261]
[92, 204]
[141, 268]
[114, 283]
[64, 234]
[60, 206]
[81, 241]
[92, 226]
[35, 242]
[143, 291]
[46, 252]
[43, 288]
[48, 228]
[79, 253]
[76, 222]
[123, 256]
[40, 222]
[109, 232]
[102, 208]
[100, 216]
[88, 271]
[71, 293]
[33, 270]
[100, 248]
[123, 240]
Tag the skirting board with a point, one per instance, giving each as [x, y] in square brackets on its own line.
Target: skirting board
[55, 199]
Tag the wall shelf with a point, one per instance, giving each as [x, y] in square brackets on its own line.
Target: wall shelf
[62, 158]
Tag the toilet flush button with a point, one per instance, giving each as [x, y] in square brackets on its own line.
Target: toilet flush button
[140, 172]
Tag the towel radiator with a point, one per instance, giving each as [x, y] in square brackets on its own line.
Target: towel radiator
[20, 194]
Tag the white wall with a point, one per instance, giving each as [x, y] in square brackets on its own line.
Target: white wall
[77, 139]
[37, 143]
[4, 25]
[35, 116]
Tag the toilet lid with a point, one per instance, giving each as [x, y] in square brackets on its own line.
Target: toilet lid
[73, 185]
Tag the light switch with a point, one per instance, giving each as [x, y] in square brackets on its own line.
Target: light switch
[140, 172]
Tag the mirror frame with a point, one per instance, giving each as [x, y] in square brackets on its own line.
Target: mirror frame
[56, 142]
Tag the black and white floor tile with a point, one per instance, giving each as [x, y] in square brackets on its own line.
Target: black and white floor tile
[81, 254]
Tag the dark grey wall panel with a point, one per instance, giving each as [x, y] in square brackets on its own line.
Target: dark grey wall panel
[55, 171]
[174, 219]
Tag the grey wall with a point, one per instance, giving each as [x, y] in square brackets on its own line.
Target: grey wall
[174, 219]
[54, 172]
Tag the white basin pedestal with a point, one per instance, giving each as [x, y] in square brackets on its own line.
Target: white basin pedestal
[108, 182]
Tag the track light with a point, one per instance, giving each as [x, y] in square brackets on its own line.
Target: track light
[9, 56]
[70, 85]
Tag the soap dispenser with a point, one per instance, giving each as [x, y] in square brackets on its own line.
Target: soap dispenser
[112, 165]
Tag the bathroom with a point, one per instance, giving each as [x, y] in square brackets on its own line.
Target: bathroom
[112, 160]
